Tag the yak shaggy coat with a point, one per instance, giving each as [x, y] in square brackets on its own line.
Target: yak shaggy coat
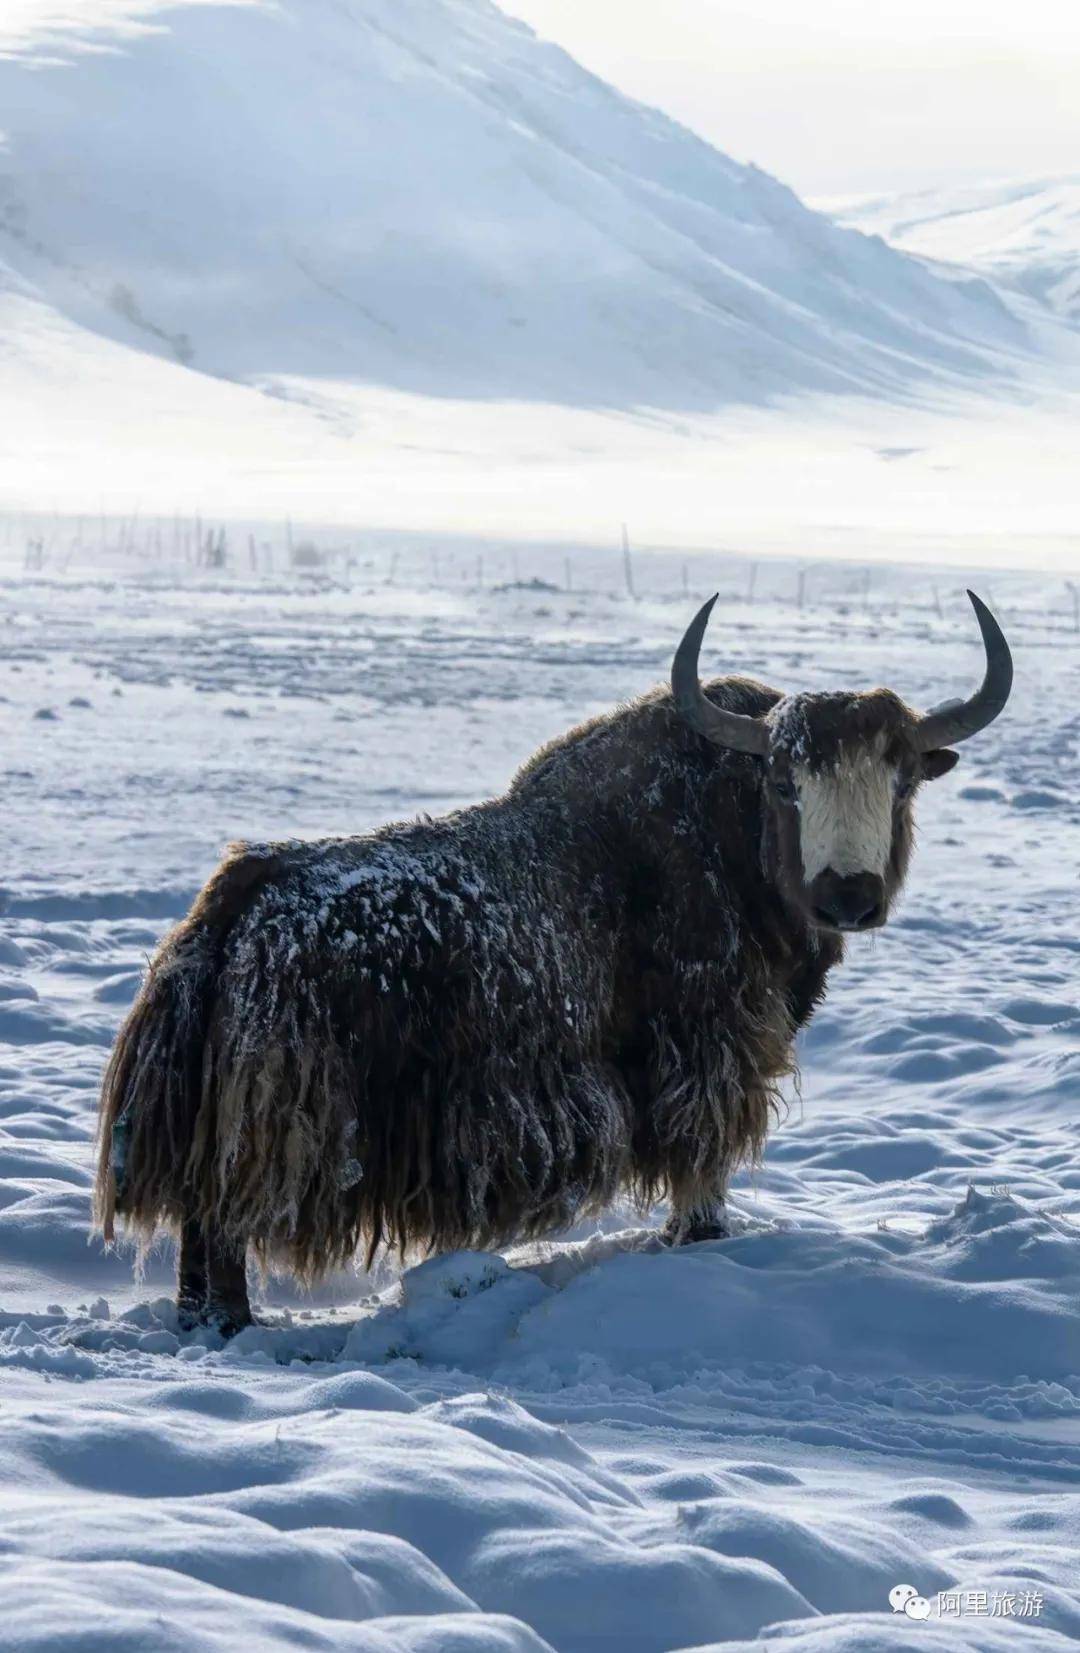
[459, 1031]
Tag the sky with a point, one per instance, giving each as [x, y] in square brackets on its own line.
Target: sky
[843, 96]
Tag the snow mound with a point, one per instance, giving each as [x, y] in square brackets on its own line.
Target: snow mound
[842, 1566]
[122, 1607]
[986, 1280]
[863, 1634]
[294, 1510]
[450, 1311]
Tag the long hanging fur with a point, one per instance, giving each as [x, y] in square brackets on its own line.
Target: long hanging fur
[153, 1084]
[456, 1032]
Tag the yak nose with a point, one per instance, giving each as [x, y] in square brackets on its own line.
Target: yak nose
[854, 902]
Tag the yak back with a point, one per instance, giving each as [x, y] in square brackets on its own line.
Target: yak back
[457, 1031]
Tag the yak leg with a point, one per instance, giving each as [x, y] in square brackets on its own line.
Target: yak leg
[705, 1218]
[191, 1275]
[227, 1305]
[211, 1282]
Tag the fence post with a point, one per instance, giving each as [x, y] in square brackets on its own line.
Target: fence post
[628, 566]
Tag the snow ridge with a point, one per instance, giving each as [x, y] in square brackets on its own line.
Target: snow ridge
[1023, 234]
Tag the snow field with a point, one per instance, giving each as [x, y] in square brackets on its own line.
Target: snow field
[593, 1443]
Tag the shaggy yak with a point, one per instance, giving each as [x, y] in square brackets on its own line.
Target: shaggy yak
[456, 1032]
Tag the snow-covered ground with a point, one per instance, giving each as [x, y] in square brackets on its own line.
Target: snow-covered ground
[90, 424]
[595, 1444]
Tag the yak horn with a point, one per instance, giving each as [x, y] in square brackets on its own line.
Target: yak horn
[959, 719]
[733, 729]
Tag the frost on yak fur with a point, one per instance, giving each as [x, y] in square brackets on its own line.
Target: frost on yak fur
[454, 1032]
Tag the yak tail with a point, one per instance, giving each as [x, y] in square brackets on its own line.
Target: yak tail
[155, 1080]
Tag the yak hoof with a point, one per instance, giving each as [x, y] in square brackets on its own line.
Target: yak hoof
[678, 1231]
[219, 1318]
[188, 1316]
[211, 1282]
[229, 1321]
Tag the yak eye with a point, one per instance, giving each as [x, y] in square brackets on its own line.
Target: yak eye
[905, 786]
[785, 790]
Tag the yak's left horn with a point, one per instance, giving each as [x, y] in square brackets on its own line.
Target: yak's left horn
[960, 719]
[733, 729]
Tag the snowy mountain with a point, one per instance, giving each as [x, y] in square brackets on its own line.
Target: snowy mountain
[1024, 235]
[420, 194]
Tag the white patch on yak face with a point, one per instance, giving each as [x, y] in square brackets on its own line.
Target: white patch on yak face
[846, 815]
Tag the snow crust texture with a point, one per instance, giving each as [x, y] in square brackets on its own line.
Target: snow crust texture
[591, 1443]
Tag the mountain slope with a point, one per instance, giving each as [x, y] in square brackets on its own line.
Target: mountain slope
[420, 194]
[1021, 234]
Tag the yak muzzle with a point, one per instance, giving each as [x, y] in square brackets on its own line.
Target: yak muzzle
[852, 902]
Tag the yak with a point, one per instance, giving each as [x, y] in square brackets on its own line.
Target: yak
[462, 1031]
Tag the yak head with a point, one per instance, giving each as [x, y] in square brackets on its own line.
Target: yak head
[839, 776]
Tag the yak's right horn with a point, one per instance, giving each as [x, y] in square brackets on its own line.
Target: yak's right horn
[731, 729]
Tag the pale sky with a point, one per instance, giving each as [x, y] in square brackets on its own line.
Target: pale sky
[845, 96]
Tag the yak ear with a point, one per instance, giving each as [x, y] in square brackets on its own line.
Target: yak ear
[936, 764]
